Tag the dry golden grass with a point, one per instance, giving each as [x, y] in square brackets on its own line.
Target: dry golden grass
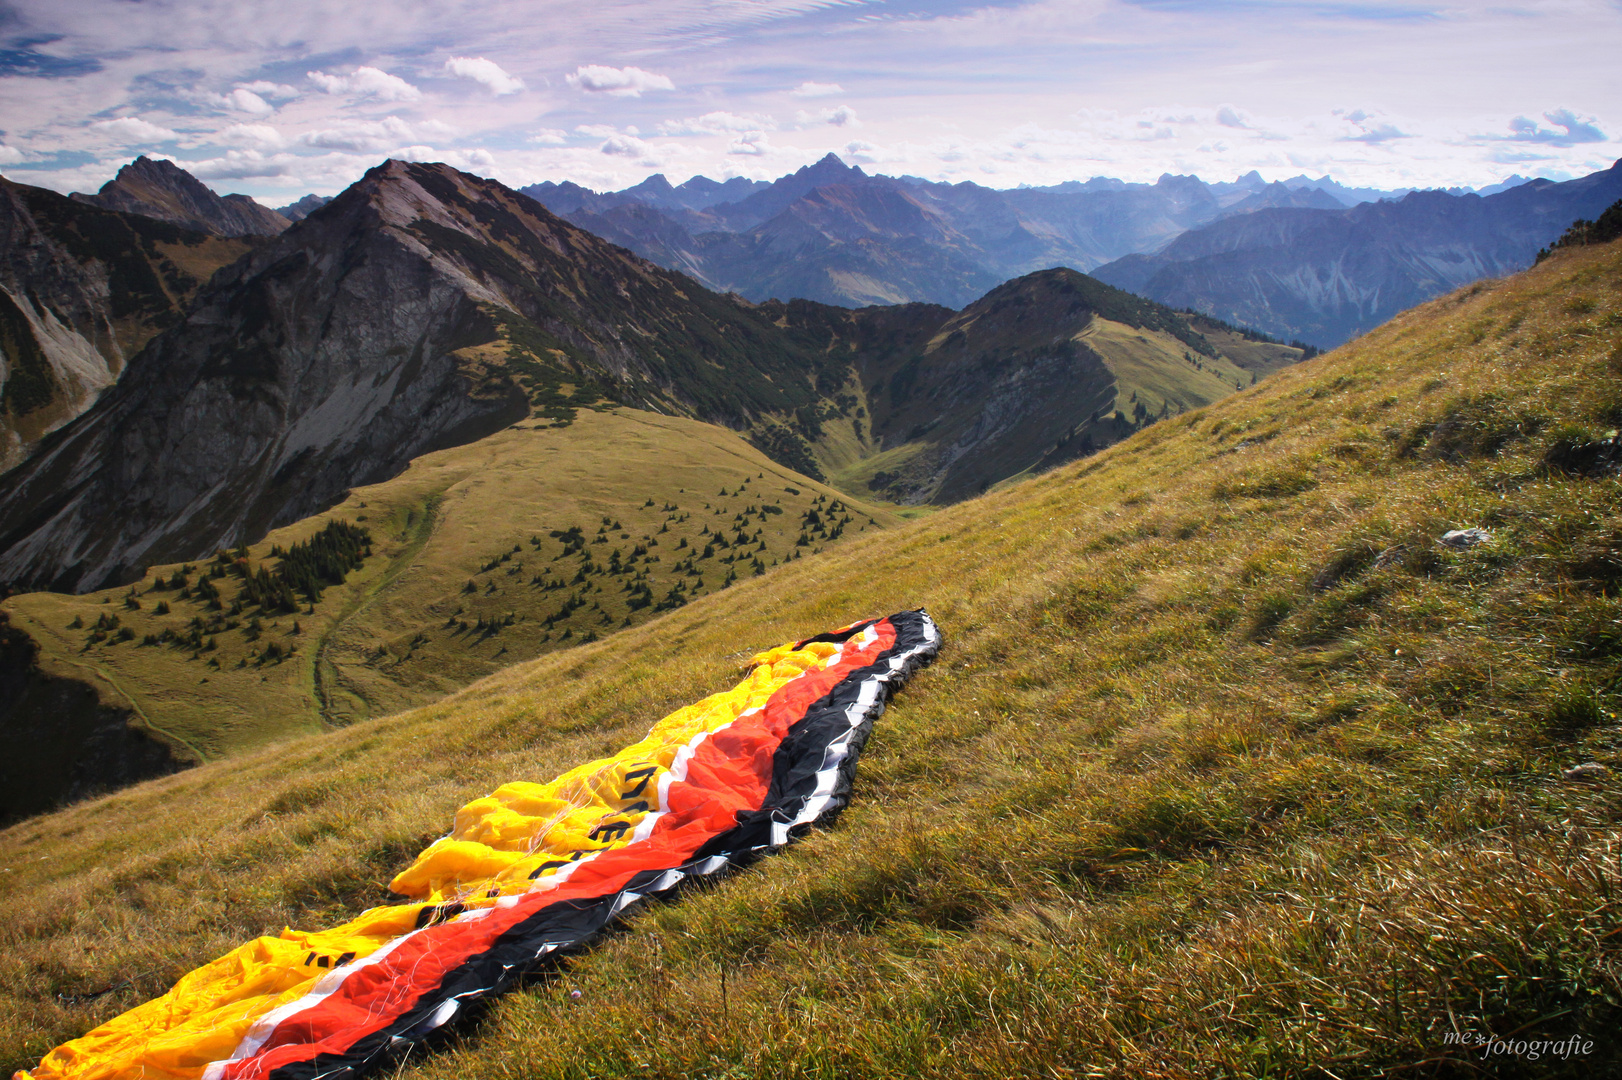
[1227, 769]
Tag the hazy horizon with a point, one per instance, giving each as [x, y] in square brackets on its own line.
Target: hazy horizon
[278, 101]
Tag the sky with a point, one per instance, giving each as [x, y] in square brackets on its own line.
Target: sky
[280, 98]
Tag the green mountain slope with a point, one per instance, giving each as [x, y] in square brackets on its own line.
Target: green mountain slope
[1229, 767]
[535, 539]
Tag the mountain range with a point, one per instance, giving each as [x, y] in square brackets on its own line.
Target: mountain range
[832, 233]
[426, 308]
[1325, 276]
[1298, 259]
[1290, 258]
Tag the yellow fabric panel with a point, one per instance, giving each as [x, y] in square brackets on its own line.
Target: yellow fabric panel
[495, 844]
[499, 840]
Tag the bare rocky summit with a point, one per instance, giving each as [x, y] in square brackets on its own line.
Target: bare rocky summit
[165, 191]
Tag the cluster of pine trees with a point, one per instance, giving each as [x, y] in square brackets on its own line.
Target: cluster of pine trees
[308, 567]
[1603, 229]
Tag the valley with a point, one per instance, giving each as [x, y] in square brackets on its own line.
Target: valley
[539, 538]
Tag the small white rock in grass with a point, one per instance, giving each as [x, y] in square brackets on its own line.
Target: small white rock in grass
[1464, 538]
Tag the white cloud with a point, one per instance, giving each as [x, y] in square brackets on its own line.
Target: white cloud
[716, 123]
[1228, 116]
[243, 165]
[817, 89]
[253, 136]
[367, 82]
[617, 82]
[624, 146]
[549, 137]
[751, 143]
[862, 153]
[1369, 128]
[597, 131]
[244, 100]
[486, 72]
[434, 129]
[131, 130]
[473, 161]
[839, 116]
[269, 89]
[10, 155]
[1576, 129]
[361, 135]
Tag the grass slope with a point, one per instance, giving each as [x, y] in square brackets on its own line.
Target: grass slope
[467, 575]
[1228, 767]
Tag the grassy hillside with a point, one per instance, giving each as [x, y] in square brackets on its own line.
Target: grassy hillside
[939, 405]
[1229, 767]
[535, 539]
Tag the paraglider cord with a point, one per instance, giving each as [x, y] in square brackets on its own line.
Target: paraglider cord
[80, 999]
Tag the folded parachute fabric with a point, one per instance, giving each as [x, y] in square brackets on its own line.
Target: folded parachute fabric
[528, 872]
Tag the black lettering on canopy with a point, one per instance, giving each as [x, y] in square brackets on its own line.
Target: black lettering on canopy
[611, 830]
[643, 775]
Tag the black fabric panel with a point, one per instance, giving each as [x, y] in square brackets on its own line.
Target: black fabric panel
[571, 926]
[838, 637]
[799, 757]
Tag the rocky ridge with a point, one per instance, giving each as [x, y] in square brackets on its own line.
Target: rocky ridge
[422, 308]
[164, 191]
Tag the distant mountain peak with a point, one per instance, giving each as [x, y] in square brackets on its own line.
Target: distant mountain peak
[830, 165]
[303, 208]
[653, 185]
[156, 188]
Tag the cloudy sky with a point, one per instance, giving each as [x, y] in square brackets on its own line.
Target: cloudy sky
[276, 98]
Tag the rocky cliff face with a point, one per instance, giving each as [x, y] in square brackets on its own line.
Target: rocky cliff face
[81, 290]
[164, 191]
[1327, 275]
[422, 308]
